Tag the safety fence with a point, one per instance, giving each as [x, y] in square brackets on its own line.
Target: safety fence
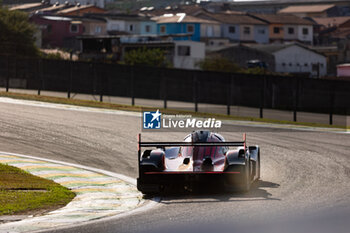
[230, 89]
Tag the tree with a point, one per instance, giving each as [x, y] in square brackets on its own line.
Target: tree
[16, 33]
[146, 57]
[220, 64]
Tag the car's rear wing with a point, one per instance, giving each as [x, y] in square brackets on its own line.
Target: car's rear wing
[169, 144]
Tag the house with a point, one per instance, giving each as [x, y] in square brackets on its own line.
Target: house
[295, 58]
[328, 30]
[94, 26]
[311, 10]
[287, 28]
[192, 9]
[332, 30]
[273, 6]
[98, 3]
[193, 28]
[329, 22]
[241, 54]
[239, 27]
[187, 54]
[343, 70]
[118, 24]
[58, 31]
[80, 10]
[181, 54]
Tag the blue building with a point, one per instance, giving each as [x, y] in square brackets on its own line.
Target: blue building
[185, 27]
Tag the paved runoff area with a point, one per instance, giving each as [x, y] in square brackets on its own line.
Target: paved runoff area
[97, 195]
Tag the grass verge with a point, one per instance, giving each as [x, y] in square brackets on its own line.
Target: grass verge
[135, 108]
[22, 192]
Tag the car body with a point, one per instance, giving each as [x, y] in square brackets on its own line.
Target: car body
[256, 64]
[204, 158]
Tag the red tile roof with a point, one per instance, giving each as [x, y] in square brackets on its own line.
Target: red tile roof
[77, 8]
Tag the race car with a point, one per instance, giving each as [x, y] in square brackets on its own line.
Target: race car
[204, 158]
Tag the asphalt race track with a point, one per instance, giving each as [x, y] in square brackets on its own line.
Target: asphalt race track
[305, 183]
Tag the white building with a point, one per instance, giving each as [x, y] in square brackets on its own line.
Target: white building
[295, 58]
[99, 3]
[305, 33]
[131, 24]
[188, 53]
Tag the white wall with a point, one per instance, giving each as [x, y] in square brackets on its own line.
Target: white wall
[246, 36]
[115, 25]
[124, 26]
[294, 35]
[287, 61]
[210, 30]
[308, 37]
[197, 53]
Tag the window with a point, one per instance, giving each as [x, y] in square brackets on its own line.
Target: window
[290, 64]
[114, 26]
[98, 29]
[246, 30]
[190, 28]
[283, 64]
[183, 51]
[148, 28]
[231, 29]
[290, 30]
[276, 30]
[261, 31]
[49, 28]
[74, 28]
[131, 27]
[306, 64]
[305, 31]
[163, 29]
[210, 31]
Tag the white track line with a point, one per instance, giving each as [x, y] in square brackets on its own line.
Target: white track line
[67, 107]
[145, 207]
[137, 114]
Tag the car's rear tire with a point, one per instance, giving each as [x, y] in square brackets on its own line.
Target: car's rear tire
[258, 176]
[245, 183]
